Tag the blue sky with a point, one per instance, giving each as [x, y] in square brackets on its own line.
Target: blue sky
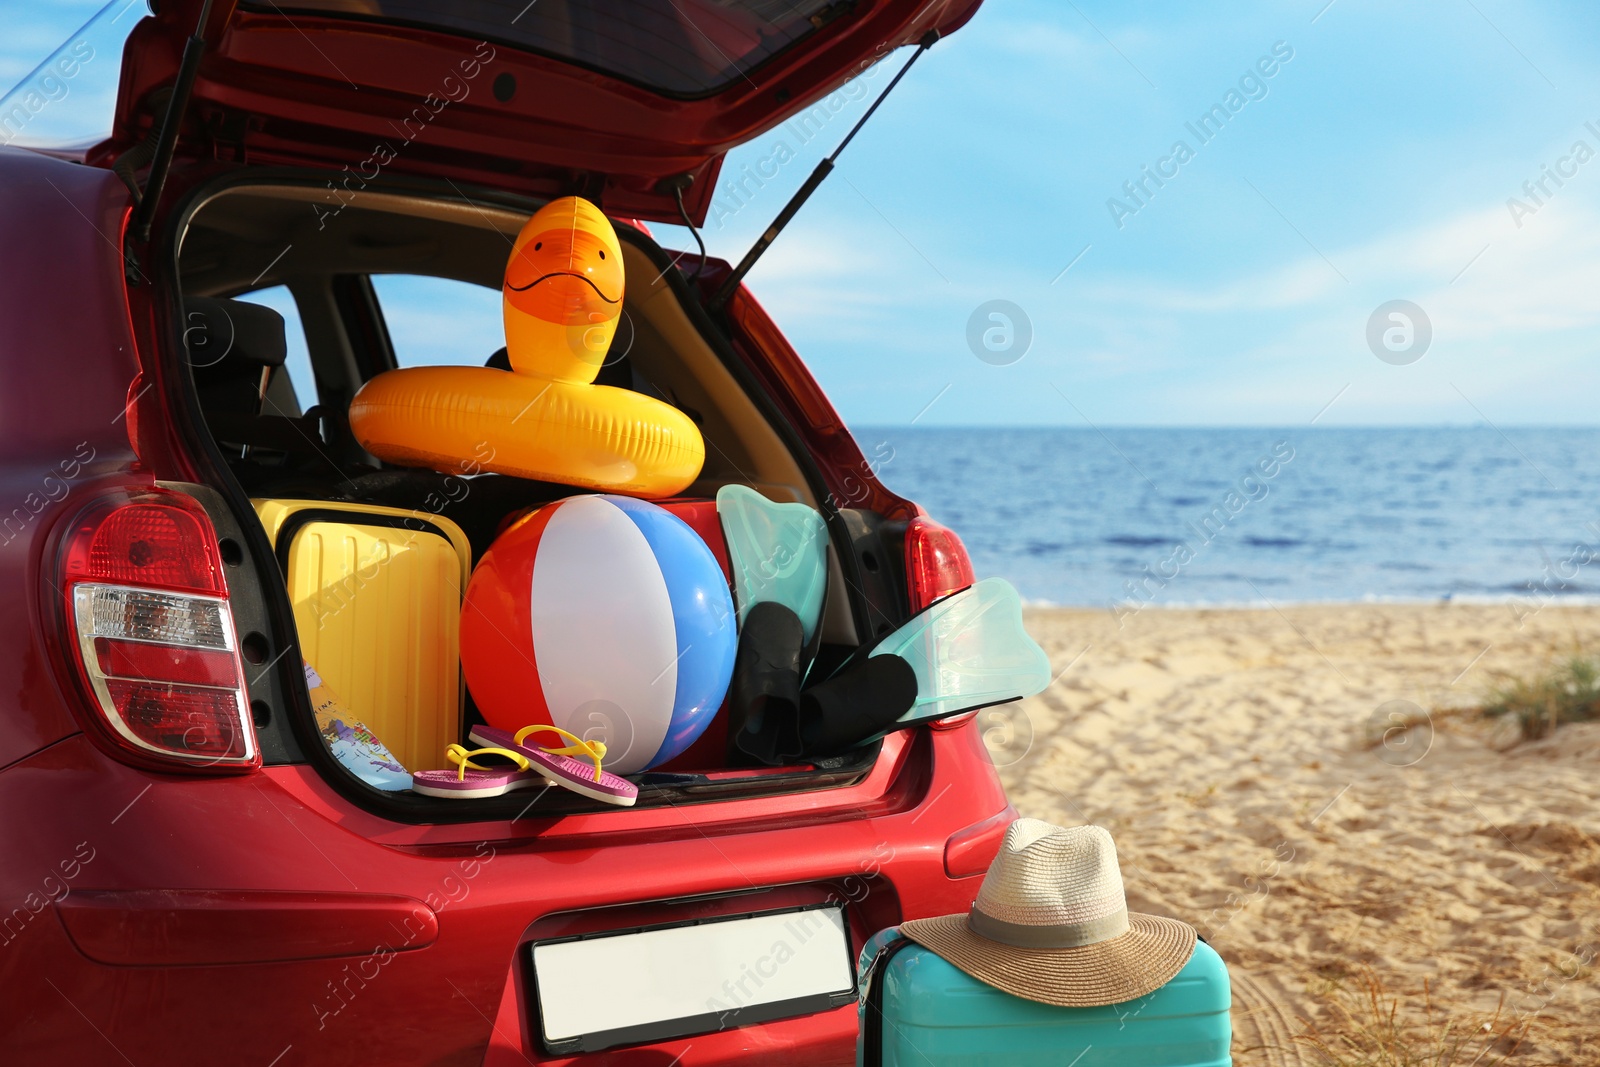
[1375, 164]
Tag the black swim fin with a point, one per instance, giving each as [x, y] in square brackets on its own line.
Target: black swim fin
[764, 697]
[860, 703]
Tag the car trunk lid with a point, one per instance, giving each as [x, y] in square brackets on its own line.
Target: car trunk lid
[618, 100]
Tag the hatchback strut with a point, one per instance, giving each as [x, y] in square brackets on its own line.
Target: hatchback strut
[167, 138]
[803, 194]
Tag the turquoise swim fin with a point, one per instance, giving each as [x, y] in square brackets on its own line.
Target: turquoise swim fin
[777, 552]
[969, 650]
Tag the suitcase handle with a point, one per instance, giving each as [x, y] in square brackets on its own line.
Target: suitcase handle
[872, 1001]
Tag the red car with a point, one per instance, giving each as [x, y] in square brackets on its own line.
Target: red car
[207, 885]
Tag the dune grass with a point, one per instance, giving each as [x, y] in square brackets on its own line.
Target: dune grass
[1539, 705]
[1366, 1025]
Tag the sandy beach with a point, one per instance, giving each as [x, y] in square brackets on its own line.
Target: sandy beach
[1248, 763]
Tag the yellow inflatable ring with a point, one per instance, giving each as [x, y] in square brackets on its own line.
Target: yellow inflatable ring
[593, 436]
[544, 419]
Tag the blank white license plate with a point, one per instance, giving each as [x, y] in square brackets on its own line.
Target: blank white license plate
[605, 990]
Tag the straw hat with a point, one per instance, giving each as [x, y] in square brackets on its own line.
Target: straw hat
[1051, 924]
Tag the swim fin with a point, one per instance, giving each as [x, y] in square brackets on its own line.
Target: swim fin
[860, 703]
[968, 651]
[777, 552]
[764, 697]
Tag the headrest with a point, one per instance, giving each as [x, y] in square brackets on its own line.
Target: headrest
[227, 337]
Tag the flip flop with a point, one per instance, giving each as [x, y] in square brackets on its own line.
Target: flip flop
[557, 765]
[470, 781]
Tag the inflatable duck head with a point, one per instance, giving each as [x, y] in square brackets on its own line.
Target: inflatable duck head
[563, 292]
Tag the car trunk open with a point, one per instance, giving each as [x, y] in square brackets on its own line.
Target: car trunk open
[324, 144]
[253, 233]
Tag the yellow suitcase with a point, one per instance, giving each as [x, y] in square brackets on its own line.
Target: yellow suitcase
[377, 602]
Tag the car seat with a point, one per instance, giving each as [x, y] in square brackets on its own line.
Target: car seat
[236, 350]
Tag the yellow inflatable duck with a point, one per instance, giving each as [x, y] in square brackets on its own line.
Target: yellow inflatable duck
[547, 420]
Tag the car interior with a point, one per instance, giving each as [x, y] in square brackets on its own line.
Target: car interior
[290, 440]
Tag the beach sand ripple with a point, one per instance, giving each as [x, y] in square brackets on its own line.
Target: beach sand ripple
[1295, 784]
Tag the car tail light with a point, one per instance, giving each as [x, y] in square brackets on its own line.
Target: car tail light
[936, 563]
[153, 634]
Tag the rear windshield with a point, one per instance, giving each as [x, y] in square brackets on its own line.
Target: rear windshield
[677, 47]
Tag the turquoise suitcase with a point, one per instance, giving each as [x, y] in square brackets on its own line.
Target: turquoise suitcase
[916, 1010]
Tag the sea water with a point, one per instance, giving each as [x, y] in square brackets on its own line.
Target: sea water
[1252, 516]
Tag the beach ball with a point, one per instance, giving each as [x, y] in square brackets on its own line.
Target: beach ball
[606, 616]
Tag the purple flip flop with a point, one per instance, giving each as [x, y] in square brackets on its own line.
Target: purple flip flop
[558, 765]
[469, 781]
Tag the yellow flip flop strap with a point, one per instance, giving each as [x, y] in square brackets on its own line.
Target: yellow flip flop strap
[594, 750]
[462, 758]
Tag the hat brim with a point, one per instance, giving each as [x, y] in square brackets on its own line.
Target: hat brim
[1124, 968]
